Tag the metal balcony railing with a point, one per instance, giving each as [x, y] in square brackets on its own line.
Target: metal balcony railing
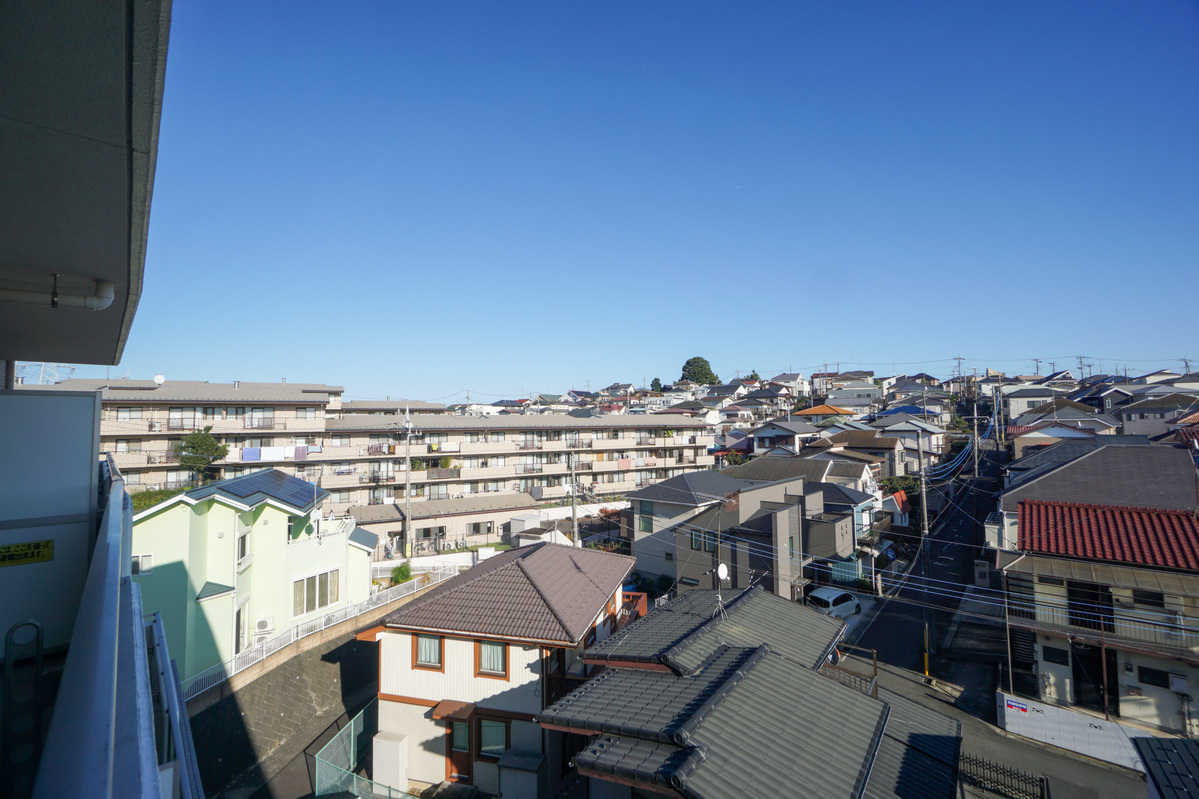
[375, 477]
[528, 469]
[263, 424]
[529, 445]
[444, 474]
[578, 444]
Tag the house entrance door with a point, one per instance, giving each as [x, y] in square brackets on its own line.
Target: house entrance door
[458, 759]
[1088, 678]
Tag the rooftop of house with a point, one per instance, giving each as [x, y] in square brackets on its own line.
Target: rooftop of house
[1166, 539]
[1171, 766]
[695, 726]
[433, 508]
[1030, 393]
[1174, 401]
[1065, 451]
[794, 426]
[908, 410]
[825, 410]
[258, 487]
[146, 391]
[1149, 476]
[864, 439]
[395, 406]
[842, 495]
[1060, 404]
[541, 592]
[691, 488]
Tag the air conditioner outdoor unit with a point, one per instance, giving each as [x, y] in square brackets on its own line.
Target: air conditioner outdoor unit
[264, 625]
[155, 427]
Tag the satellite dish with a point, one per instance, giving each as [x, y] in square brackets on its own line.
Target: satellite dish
[159, 380]
[722, 572]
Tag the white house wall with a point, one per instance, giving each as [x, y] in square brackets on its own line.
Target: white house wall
[426, 738]
[520, 693]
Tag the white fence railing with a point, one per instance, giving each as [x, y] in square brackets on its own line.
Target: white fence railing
[217, 674]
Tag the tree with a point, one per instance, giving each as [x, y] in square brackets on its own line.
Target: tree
[906, 483]
[753, 375]
[698, 370]
[655, 385]
[198, 450]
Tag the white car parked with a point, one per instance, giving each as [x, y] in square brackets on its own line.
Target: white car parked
[835, 602]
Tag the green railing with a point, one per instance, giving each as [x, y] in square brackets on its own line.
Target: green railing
[339, 761]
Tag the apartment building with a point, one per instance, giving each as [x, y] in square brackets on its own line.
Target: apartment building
[363, 460]
[358, 451]
[264, 424]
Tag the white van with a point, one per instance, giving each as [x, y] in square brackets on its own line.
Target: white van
[835, 602]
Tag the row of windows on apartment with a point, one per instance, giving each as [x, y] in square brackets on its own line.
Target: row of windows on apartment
[136, 444]
[534, 436]
[210, 413]
[474, 528]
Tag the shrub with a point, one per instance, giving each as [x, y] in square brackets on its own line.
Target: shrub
[148, 499]
[401, 574]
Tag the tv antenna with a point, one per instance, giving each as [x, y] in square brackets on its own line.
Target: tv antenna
[722, 574]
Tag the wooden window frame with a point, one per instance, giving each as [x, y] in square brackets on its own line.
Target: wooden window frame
[490, 674]
[479, 753]
[416, 664]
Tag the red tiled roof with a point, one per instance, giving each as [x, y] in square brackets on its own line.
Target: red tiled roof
[1161, 538]
[901, 500]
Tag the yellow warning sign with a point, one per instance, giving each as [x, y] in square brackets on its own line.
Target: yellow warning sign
[28, 552]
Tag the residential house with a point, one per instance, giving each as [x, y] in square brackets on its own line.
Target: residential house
[853, 474]
[704, 670]
[466, 669]
[657, 508]
[782, 433]
[792, 381]
[1043, 434]
[1022, 400]
[777, 397]
[1103, 397]
[822, 449]
[822, 382]
[234, 562]
[1159, 376]
[890, 449]
[1152, 476]
[1103, 609]
[917, 435]
[471, 521]
[101, 714]
[1151, 416]
[1054, 455]
[856, 389]
[900, 508]
[367, 407]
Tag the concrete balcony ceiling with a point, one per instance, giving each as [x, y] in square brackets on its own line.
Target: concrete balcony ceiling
[79, 118]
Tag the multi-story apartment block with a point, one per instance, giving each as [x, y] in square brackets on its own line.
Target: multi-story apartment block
[360, 451]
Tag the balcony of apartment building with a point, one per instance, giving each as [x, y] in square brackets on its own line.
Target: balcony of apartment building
[118, 723]
[444, 447]
[1118, 607]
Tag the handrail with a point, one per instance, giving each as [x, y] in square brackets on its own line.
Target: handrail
[215, 675]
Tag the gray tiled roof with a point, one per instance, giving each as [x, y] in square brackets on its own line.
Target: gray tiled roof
[772, 470]
[704, 735]
[541, 421]
[918, 753]
[692, 488]
[543, 592]
[257, 487]
[146, 391]
[1153, 476]
[684, 633]
[842, 495]
[1042, 460]
[399, 406]
[797, 426]
[434, 508]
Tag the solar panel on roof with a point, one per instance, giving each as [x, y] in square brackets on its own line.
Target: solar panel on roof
[276, 484]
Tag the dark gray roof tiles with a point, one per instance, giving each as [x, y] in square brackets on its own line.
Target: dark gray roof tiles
[770, 470]
[1153, 476]
[692, 488]
[1172, 766]
[684, 633]
[917, 755]
[544, 592]
[364, 538]
[842, 495]
[703, 734]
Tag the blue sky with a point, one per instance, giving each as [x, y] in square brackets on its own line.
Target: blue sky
[414, 199]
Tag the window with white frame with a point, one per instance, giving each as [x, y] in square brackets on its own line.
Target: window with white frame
[340, 496]
[129, 445]
[128, 414]
[339, 441]
[142, 564]
[305, 413]
[315, 592]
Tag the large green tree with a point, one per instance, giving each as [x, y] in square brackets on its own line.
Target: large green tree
[198, 450]
[698, 370]
[655, 385]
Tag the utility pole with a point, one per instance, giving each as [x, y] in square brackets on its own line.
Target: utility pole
[924, 547]
[574, 502]
[1080, 367]
[1037, 363]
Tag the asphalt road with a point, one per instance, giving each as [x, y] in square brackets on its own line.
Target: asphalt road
[898, 631]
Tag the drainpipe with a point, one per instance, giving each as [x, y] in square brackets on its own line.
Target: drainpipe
[10, 375]
[102, 298]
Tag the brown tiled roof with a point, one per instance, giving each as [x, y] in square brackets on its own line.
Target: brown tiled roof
[863, 439]
[542, 592]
